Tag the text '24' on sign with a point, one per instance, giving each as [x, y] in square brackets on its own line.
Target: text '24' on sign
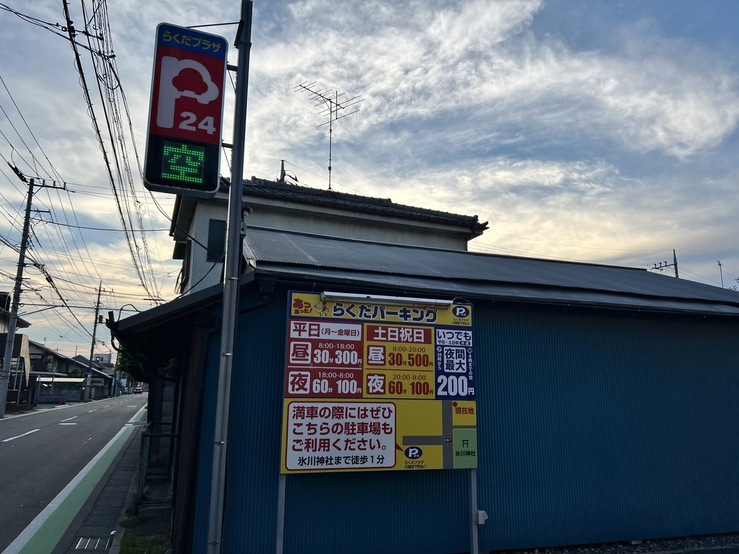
[186, 112]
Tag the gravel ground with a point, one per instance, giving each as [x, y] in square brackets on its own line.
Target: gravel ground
[724, 544]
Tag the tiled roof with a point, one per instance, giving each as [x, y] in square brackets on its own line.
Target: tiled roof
[263, 188]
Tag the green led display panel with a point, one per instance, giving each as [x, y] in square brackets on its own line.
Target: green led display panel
[183, 162]
[183, 142]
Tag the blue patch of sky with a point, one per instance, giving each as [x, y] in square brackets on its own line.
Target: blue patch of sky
[588, 25]
[513, 142]
[273, 20]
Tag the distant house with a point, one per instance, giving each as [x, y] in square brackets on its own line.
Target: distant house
[199, 226]
[20, 370]
[46, 361]
[101, 374]
[5, 299]
[104, 361]
[56, 378]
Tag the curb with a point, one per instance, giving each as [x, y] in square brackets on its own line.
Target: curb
[120, 530]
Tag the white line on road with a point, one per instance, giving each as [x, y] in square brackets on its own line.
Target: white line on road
[90, 411]
[33, 527]
[72, 423]
[19, 436]
[69, 418]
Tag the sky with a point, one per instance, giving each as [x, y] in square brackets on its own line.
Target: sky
[580, 130]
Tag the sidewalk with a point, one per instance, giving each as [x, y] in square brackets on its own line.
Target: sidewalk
[97, 525]
[108, 515]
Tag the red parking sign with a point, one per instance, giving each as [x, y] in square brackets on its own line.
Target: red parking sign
[186, 112]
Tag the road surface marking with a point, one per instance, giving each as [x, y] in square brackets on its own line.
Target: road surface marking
[72, 423]
[90, 411]
[47, 529]
[69, 418]
[19, 436]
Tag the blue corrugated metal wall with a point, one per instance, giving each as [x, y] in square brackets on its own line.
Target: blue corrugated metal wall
[205, 451]
[603, 426]
[424, 512]
[256, 413]
[593, 426]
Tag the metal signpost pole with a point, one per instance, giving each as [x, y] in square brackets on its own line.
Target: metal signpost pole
[230, 287]
[280, 542]
[474, 529]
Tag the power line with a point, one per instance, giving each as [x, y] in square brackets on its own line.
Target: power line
[91, 112]
[53, 28]
[111, 229]
[54, 174]
[51, 165]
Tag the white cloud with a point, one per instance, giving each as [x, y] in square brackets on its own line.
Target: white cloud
[477, 58]
[601, 154]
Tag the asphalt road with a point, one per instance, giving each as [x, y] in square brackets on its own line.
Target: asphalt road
[41, 452]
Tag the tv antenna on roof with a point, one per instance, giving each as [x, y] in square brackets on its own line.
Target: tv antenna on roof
[333, 105]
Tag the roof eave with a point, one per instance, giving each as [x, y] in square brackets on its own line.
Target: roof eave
[499, 291]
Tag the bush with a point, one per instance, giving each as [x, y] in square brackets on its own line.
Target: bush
[134, 544]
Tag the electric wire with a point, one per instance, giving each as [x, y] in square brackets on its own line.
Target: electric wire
[54, 28]
[41, 238]
[53, 174]
[101, 143]
[107, 79]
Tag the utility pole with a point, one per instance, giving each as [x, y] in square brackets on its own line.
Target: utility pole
[721, 272]
[13, 323]
[661, 265]
[10, 337]
[674, 261]
[88, 381]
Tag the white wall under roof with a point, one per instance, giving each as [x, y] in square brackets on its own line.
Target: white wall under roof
[318, 220]
[203, 273]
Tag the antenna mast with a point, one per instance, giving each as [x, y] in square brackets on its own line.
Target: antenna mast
[331, 103]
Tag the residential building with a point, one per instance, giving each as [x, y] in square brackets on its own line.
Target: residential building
[199, 225]
[5, 299]
[56, 378]
[20, 370]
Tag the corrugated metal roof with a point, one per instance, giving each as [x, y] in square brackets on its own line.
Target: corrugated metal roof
[481, 275]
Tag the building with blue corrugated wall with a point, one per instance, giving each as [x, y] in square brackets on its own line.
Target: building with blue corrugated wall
[606, 405]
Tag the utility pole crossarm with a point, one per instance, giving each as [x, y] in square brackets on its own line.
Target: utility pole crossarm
[661, 265]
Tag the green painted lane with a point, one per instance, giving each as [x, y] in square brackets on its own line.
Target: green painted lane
[44, 533]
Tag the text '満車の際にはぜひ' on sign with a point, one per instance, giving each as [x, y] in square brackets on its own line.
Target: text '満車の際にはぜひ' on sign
[375, 386]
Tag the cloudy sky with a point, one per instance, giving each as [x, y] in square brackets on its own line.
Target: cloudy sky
[580, 130]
